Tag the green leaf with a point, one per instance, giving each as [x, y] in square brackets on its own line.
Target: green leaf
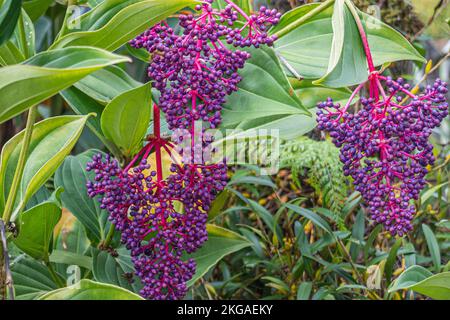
[142, 53]
[311, 94]
[391, 259]
[106, 84]
[72, 176]
[51, 141]
[430, 192]
[304, 291]
[218, 205]
[36, 228]
[90, 290]
[10, 54]
[40, 77]
[24, 35]
[115, 270]
[71, 258]
[433, 247]
[36, 8]
[370, 240]
[126, 118]
[9, 14]
[421, 280]
[436, 287]
[114, 22]
[312, 216]
[221, 242]
[308, 48]
[82, 104]
[347, 64]
[31, 278]
[264, 94]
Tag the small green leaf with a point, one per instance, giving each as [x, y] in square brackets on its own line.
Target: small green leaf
[433, 247]
[391, 259]
[90, 290]
[36, 228]
[51, 141]
[9, 14]
[304, 291]
[126, 118]
[315, 218]
[39, 78]
[430, 192]
[221, 242]
[25, 36]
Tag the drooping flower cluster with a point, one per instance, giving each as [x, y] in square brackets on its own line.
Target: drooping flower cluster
[384, 146]
[196, 70]
[161, 218]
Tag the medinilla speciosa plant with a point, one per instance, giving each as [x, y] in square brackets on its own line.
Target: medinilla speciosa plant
[384, 146]
[162, 218]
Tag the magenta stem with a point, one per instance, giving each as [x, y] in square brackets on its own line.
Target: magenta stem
[236, 7]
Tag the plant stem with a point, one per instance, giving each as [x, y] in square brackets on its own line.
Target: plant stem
[105, 244]
[157, 133]
[6, 280]
[304, 18]
[20, 165]
[54, 275]
[9, 206]
[371, 294]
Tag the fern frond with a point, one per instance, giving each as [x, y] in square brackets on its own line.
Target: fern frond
[321, 159]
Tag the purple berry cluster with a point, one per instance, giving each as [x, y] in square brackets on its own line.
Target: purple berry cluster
[159, 220]
[162, 218]
[384, 146]
[197, 69]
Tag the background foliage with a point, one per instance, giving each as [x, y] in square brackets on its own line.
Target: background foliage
[299, 234]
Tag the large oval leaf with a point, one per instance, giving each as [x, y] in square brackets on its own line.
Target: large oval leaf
[51, 141]
[72, 176]
[221, 242]
[421, 280]
[107, 83]
[264, 92]
[36, 228]
[311, 94]
[115, 270]
[90, 290]
[31, 278]
[36, 8]
[126, 118]
[308, 47]
[40, 77]
[114, 22]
